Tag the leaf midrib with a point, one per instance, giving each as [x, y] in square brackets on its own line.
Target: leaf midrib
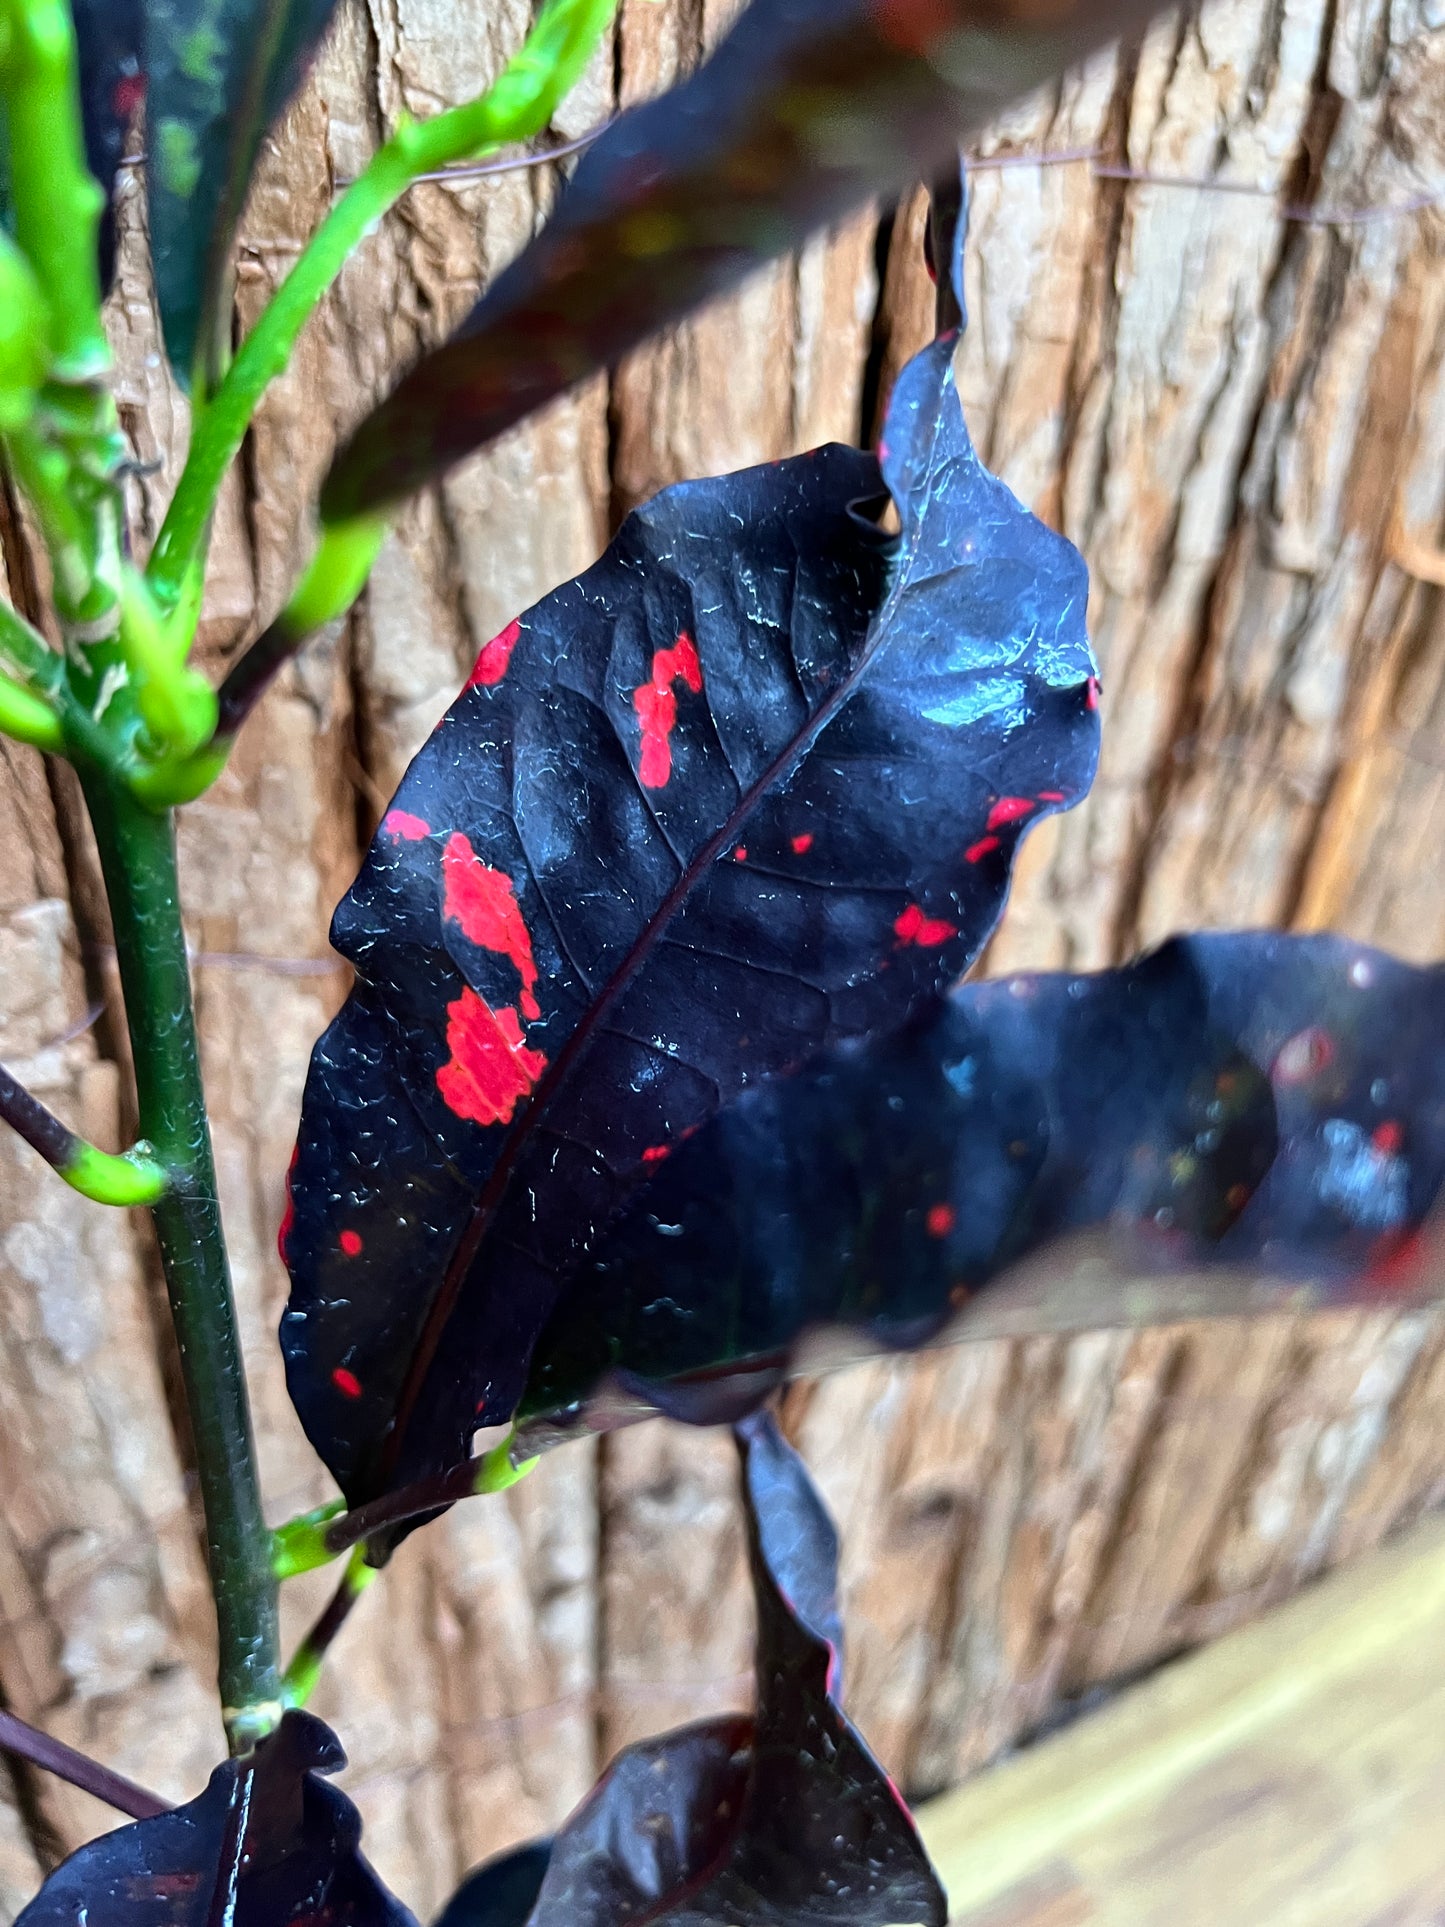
[493, 1192]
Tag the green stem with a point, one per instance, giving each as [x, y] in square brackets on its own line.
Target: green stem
[137, 853]
[316, 1538]
[516, 108]
[133, 1177]
[29, 655]
[29, 718]
[57, 204]
[309, 1657]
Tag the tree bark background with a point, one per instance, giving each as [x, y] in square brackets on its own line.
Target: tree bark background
[1234, 402]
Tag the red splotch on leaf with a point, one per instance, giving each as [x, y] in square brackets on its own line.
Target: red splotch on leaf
[1008, 809]
[347, 1383]
[927, 932]
[484, 903]
[655, 1153]
[802, 844]
[1052, 796]
[494, 661]
[1091, 693]
[1387, 1137]
[288, 1216]
[740, 854]
[351, 1243]
[411, 829]
[940, 1220]
[490, 1069]
[1304, 1056]
[976, 852]
[655, 702]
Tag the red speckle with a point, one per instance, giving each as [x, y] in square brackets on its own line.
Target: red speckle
[288, 1216]
[1052, 796]
[127, 95]
[490, 1069]
[347, 1383]
[351, 1243]
[1387, 1137]
[802, 844]
[655, 1153]
[1091, 693]
[411, 829]
[492, 664]
[940, 1220]
[976, 852]
[484, 903]
[656, 706]
[1008, 809]
[1396, 1260]
[883, 451]
[740, 854]
[1303, 1056]
[1237, 1197]
[927, 932]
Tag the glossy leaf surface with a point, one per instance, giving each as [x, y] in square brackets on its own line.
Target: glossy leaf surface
[744, 790]
[807, 109]
[502, 1893]
[781, 1820]
[268, 1844]
[1269, 1109]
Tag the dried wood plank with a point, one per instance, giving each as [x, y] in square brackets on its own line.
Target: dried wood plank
[1291, 1770]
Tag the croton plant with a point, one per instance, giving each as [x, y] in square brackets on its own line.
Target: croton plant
[657, 1079]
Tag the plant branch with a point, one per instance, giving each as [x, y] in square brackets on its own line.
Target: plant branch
[331, 584]
[134, 1177]
[27, 1742]
[309, 1657]
[29, 718]
[516, 108]
[29, 655]
[57, 204]
[137, 852]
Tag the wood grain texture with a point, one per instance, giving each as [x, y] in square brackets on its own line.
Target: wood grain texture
[1290, 1772]
[1238, 418]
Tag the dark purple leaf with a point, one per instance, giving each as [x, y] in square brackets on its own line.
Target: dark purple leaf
[807, 109]
[268, 1844]
[217, 74]
[661, 1819]
[782, 1820]
[501, 1893]
[1252, 1114]
[746, 789]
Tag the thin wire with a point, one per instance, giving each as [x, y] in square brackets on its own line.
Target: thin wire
[1327, 215]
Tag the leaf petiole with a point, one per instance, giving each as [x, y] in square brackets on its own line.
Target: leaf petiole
[29, 656]
[29, 718]
[299, 1680]
[316, 1538]
[129, 1178]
